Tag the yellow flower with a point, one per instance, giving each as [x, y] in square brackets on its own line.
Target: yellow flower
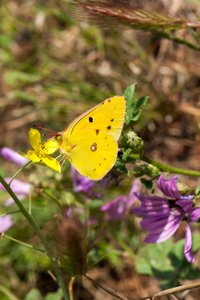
[41, 152]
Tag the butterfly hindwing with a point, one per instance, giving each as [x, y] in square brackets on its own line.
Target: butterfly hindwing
[93, 156]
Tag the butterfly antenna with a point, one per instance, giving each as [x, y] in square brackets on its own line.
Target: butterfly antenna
[45, 129]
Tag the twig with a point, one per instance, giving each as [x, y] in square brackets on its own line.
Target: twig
[176, 290]
[108, 289]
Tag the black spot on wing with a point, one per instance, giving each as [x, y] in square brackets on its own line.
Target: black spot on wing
[90, 119]
[109, 127]
[111, 120]
[97, 131]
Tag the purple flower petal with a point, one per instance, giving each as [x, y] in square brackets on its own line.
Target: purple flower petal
[81, 183]
[10, 201]
[162, 216]
[13, 156]
[116, 208]
[188, 245]
[169, 186]
[194, 214]
[5, 223]
[151, 206]
[162, 229]
[186, 203]
[132, 195]
[20, 188]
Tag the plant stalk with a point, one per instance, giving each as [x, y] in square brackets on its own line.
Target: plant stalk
[36, 228]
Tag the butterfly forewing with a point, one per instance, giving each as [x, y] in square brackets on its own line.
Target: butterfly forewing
[90, 141]
[108, 116]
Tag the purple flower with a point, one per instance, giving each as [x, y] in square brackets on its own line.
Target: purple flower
[20, 188]
[117, 207]
[13, 156]
[80, 182]
[5, 223]
[161, 216]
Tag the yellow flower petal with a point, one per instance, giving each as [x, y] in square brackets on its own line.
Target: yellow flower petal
[51, 162]
[35, 139]
[50, 146]
[33, 156]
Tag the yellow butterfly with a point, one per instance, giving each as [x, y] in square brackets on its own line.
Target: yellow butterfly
[90, 141]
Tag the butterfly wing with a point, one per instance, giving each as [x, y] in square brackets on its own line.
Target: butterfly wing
[91, 156]
[90, 141]
[108, 116]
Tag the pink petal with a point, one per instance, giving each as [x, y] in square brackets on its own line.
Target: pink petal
[5, 223]
[18, 186]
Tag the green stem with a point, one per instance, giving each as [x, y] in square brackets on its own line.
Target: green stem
[170, 169]
[178, 40]
[19, 170]
[52, 197]
[22, 243]
[7, 293]
[36, 228]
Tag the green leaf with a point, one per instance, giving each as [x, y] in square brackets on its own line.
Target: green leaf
[54, 296]
[195, 241]
[14, 77]
[137, 107]
[94, 204]
[129, 96]
[148, 260]
[147, 183]
[197, 190]
[134, 106]
[21, 95]
[33, 294]
[5, 40]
